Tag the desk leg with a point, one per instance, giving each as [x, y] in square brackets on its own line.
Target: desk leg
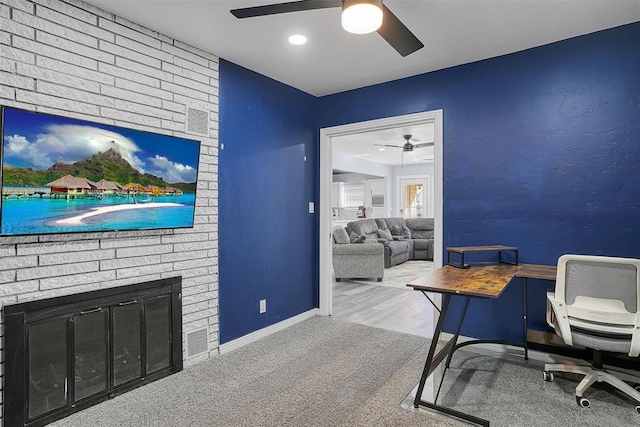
[457, 333]
[525, 318]
[446, 299]
[434, 360]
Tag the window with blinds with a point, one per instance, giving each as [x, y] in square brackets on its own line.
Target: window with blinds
[354, 196]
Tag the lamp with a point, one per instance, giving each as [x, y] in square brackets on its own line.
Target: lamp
[361, 16]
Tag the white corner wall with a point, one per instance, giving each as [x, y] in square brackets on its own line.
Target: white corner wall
[71, 59]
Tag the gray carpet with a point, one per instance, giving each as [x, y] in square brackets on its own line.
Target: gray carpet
[328, 372]
[509, 391]
[321, 372]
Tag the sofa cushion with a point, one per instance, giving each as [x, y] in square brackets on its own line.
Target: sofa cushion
[421, 228]
[390, 222]
[396, 230]
[340, 235]
[384, 234]
[406, 233]
[356, 238]
[364, 227]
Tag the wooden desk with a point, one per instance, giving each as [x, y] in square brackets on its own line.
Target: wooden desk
[535, 271]
[532, 271]
[480, 281]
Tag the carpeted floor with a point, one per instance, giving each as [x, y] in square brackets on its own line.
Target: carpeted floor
[399, 275]
[321, 372]
[329, 372]
[509, 391]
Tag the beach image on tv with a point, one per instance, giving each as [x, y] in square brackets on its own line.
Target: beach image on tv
[62, 175]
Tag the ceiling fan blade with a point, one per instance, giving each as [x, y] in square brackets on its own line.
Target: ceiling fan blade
[424, 144]
[292, 6]
[397, 34]
[387, 145]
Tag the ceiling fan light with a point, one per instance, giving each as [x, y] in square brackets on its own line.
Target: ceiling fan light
[361, 16]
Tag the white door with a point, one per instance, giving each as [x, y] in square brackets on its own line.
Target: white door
[414, 199]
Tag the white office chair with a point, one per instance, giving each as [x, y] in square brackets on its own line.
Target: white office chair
[596, 305]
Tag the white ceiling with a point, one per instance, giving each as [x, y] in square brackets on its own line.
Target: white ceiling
[363, 146]
[454, 32]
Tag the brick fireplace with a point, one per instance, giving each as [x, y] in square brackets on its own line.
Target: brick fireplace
[71, 59]
[67, 353]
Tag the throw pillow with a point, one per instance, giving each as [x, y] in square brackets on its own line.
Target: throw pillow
[384, 234]
[406, 232]
[396, 230]
[356, 238]
[340, 235]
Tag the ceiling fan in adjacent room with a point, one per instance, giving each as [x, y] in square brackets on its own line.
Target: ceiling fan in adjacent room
[408, 146]
[358, 17]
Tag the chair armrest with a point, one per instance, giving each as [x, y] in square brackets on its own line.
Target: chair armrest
[560, 312]
[358, 249]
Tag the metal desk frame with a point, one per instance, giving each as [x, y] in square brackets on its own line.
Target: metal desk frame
[435, 359]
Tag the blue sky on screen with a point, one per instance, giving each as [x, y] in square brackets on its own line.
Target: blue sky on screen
[36, 140]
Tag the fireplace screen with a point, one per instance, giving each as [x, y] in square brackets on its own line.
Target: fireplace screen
[65, 354]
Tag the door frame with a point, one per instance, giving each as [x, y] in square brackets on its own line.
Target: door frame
[434, 117]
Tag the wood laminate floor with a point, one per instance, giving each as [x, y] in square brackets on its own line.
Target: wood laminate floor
[402, 310]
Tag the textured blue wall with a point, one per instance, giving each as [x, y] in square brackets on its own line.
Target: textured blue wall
[541, 151]
[268, 244]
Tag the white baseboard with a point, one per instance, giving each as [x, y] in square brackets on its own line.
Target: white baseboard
[264, 332]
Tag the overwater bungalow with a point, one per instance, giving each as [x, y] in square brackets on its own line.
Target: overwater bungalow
[70, 186]
[108, 188]
[172, 191]
[154, 190]
[134, 188]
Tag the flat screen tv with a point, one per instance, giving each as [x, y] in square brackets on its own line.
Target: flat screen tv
[63, 175]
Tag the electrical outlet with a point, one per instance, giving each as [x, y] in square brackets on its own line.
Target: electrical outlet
[263, 306]
[312, 207]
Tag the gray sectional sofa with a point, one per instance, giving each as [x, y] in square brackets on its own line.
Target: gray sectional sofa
[403, 238]
[356, 260]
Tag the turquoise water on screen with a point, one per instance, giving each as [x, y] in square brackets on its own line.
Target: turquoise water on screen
[38, 216]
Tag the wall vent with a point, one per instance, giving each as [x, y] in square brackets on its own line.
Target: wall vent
[197, 342]
[197, 121]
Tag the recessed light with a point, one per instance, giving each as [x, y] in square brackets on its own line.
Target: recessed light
[297, 39]
[416, 160]
[382, 149]
[366, 155]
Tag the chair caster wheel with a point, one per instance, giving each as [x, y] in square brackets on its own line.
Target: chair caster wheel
[583, 401]
[548, 376]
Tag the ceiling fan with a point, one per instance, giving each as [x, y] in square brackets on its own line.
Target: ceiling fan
[358, 16]
[407, 146]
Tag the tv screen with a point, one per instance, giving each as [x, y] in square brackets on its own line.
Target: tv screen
[63, 175]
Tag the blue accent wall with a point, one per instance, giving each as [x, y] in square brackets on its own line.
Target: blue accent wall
[541, 151]
[268, 244]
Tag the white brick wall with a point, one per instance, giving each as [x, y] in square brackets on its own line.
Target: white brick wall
[71, 59]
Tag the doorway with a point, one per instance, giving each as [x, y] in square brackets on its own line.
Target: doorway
[434, 118]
